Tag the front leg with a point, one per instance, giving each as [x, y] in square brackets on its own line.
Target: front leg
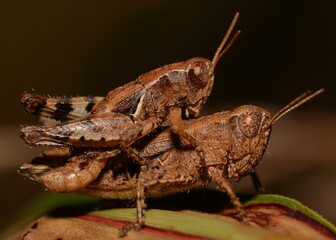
[176, 125]
[224, 184]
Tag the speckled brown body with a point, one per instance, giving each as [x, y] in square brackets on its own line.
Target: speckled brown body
[161, 96]
[149, 100]
[233, 142]
[184, 85]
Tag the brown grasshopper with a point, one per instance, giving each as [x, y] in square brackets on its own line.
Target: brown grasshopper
[161, 96]
[59, 109]
[233, 142]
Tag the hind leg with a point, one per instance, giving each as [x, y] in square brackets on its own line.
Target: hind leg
[165, 178]
[77, 173]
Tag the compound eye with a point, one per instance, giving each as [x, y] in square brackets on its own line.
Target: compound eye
[249, 123]
[197, 74]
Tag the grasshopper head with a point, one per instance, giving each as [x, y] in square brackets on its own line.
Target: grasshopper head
[199, 82]
[250, 132]
[251, 128]
[200, 73]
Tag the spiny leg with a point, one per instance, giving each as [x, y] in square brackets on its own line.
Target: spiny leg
[225, 185]
[183, 177]
[80, 171]
[140, 207]
[111, 130]
[95, 131]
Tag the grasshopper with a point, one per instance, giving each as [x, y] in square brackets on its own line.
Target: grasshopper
[64, 109]
[159, 97]
[233, 141]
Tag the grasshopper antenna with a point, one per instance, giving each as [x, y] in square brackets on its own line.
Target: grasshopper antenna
[220, 51]
[303, 98]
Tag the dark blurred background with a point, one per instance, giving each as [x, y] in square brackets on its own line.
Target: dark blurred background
[90, 47]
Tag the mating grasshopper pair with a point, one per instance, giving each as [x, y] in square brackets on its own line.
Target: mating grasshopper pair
[188, 154]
